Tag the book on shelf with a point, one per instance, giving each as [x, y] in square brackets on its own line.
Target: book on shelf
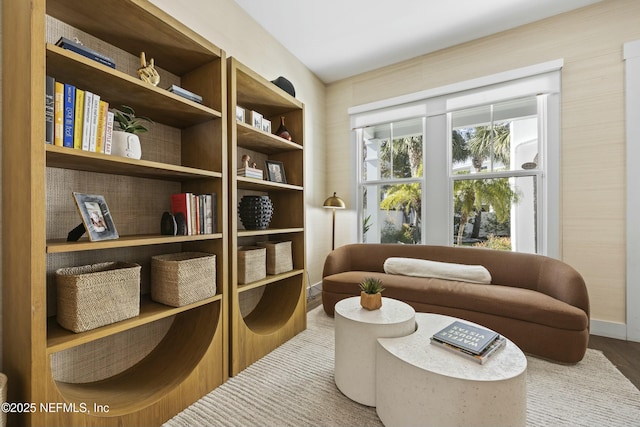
[103, 107]
[481, 358]
[81, 49]
[69, 113]
[93, 131]
[86, 120]
[78, 119]
[108, 132]
[58, 113]
[185, 93]
[250, 172]
[199, 211]
[473, 339]
[49, 108]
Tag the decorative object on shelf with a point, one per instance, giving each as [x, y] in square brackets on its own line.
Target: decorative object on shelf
[371, 293]
[147, 71]
[248, 169]
[77, 47]
[252, 264]
[239, 114]
[255, 212]
[96, 218]
[285, 85]
[334, 202]
[266, 125]
[95, 295]
[282, 131]
[275, 171]
[168, 225]
[279, 258]
[126, 142]
[183, 278]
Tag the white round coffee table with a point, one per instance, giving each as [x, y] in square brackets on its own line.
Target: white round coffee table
[356, 331]
[419, 383]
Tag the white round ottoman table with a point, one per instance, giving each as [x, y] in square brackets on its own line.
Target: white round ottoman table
[420, 384]
[356, 331]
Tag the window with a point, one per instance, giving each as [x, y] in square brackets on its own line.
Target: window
[391, 181]
[474, 164]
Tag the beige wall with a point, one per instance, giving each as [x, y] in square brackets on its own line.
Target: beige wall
[226, 25]
[590, 41]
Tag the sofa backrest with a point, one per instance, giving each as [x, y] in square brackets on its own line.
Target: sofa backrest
[529, 271]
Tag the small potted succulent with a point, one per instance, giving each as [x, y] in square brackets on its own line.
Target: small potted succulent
[126, 142]
[371, 293]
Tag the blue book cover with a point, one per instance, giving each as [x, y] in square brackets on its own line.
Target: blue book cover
[69, 113]
[85, 51]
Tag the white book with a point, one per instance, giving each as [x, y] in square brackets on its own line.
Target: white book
[108, 133]
[95, 108]
[86, 126]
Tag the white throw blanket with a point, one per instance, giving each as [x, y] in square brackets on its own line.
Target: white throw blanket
[440, 270]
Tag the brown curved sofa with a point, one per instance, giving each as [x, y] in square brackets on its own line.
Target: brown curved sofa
[539, 303]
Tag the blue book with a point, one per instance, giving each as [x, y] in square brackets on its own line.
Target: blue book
[68, 115]
[85, 51]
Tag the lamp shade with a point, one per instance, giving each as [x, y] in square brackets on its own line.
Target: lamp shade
[334, 202]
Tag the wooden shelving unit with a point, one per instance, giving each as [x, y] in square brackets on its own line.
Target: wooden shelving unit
[280, 312]
[189, 360]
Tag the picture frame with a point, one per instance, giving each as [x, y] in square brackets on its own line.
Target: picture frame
[239, 114]
[266, 125]
[95, 215]
[255, 119]
[275, 171]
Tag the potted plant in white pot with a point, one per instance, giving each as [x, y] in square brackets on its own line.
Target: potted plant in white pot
[125, 142]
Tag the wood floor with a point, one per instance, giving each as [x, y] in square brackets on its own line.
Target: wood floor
[625, 355]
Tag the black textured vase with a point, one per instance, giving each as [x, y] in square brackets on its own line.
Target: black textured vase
[255, 212]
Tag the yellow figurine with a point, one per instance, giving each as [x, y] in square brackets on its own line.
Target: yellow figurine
[147, 72]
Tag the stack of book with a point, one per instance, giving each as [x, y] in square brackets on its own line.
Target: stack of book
[185, 93]
[249, 172]
[77, 118]
[469, 341]
[81, 49]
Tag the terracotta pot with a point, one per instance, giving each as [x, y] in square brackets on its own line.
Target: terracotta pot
[370, 301]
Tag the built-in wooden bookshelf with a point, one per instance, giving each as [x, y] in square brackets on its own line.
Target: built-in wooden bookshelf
[191, 358]
[278, 310]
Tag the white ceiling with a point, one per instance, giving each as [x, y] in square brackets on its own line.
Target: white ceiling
[341, 38]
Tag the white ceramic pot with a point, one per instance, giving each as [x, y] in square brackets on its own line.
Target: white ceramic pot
[126, 144]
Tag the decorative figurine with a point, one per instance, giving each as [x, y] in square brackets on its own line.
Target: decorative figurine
[147, 72]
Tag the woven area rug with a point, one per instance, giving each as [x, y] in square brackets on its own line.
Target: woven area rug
[293, 386]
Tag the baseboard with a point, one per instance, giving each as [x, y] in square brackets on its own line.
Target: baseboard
[609, 329]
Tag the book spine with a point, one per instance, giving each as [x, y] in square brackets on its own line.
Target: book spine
[85, 51]
[214, 211]
[103, 107]
[108, 133]
[78, 119]
[208, 213]
[69, 108]
[50, 89]
[94, 122]
[58, 113]
[181, 203]
[86, 125]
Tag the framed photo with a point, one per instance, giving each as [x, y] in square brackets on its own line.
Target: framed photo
[275, 171]
[95, 217]
[266, 125]
[255, 119]
[239, 114]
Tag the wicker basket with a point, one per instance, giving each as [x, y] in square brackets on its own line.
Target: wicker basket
[183, 278]
[278, 256]
[91, 296]
[252, 264]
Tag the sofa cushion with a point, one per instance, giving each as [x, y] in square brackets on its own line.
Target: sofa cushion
[439, 270]
[505, 301]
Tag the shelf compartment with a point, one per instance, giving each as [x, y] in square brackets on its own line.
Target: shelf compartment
[69, 158]
[277, 305]
[255, 139]
[62, 246]
[152, 379]
[272, 278]
[119, 88]
[255, 184]
[59, 339]
[137, 26]
[269, 232]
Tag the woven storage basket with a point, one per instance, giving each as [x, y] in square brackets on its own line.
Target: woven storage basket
[278, 257]
[252, 264]
[183, 278]
[95, 295]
